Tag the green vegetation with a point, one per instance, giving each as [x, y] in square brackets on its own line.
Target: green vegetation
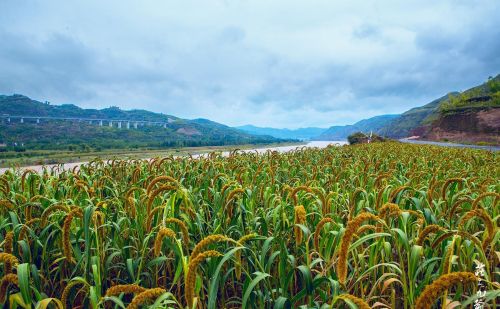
[481, 97]
[82, 136]
[412, 119]
[66, 135]
[387, 225]
[362, 138]
[21, 105]
[494, 84]
[44, 157]
[418, 121]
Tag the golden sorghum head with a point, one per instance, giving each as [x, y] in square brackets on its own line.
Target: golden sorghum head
[7, 280]
[356, 300]
[488, 223]
[68, 253]
[8, 259]
[317, 231]
[205, 242]
[148, 296]
[389, 209]
[191, 275]
[300, 218]
[182, 226]
[124, 288]
[440, 285]
[67, 290]
[433, 228]
[352, 226]
[164, 232]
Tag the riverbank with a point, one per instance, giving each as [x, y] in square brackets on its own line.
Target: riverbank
[40, 158]
[197, 151]
[282, 147]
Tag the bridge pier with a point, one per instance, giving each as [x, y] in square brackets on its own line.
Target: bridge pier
[91, 121]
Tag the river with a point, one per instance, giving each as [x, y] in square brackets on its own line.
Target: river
[317, 144]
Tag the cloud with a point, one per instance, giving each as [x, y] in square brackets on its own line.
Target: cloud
[280, 63]
[366, 31]
[231, 34]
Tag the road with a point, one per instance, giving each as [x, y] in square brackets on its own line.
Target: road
[412, 141]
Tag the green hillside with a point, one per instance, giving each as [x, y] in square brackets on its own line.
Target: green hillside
[21, 105]
[403, 125]
[483, 96]
[57, 134]
[419, 120]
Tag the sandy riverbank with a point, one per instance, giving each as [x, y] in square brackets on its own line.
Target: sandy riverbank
[67, 166]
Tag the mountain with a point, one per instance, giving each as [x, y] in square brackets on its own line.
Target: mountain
[302, 133]
[21, 105]
[471, 116]
[65, 134]
[407, 122]
[375, 124]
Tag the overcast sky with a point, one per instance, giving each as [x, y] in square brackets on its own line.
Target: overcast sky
[268, 63]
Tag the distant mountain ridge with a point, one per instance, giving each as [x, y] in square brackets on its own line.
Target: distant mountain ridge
[408, 121]
[375, 124]
[22, 105]
[471, 116]
[333, 133]
[301, 133]
[55, 134]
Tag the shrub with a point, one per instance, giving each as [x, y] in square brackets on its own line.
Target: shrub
[362, 138]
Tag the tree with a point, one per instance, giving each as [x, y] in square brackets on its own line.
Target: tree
[357, 138]
[362, 138]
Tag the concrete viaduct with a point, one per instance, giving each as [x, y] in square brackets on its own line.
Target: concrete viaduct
[127, 123]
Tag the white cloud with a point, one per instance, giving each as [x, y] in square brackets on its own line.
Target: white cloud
[273, 63]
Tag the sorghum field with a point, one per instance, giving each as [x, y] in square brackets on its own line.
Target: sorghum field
[384, 225]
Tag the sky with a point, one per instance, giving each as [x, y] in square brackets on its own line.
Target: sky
[280, 63]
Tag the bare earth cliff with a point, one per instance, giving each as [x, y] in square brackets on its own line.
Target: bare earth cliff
[471, 116]
[469, 126]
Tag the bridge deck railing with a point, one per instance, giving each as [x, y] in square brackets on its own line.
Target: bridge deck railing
[101, 121]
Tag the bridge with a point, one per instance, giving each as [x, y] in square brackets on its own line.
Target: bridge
[127, 123]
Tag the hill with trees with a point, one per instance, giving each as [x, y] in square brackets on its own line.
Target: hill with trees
[64, 134]
[471, 116]
[362, 138]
